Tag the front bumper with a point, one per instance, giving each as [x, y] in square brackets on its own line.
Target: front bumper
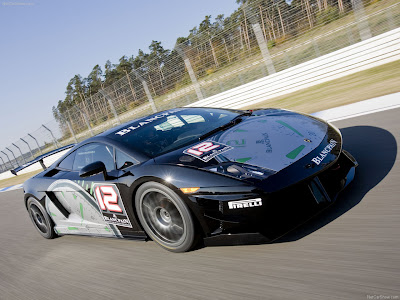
[279, 212]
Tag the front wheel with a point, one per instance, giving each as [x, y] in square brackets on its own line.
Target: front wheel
[40, 219]
[165, 217]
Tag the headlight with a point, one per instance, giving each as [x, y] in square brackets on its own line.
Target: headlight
[241, 171]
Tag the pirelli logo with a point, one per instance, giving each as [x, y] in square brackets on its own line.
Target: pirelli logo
[245, 203]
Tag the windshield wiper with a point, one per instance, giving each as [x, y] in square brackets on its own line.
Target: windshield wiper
[234, 121]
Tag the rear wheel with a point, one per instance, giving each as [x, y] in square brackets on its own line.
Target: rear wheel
[165, 217]
[40, 219]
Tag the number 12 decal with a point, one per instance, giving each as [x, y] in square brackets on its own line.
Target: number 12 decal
[111, 205]
[202, 148]
[108, 198]
[207, 150]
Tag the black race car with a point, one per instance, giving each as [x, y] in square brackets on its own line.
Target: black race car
[189, 174]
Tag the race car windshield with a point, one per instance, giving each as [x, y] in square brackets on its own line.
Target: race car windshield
[165, 132]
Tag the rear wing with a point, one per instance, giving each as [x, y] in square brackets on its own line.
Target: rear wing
[40, 158]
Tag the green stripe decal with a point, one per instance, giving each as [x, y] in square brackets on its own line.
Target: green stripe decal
[295, 152]
[63, 194]
[240, 130]
[81, 208]
[290, 127]
[91, 188]
[237, 143]
[243, 160]
[73, 228]
[106, 228]
[53, 214]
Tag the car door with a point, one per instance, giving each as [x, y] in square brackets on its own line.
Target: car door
[92, 205]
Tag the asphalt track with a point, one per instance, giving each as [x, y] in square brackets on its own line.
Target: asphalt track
[350, 251]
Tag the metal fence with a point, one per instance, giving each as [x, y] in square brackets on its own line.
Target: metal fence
[264, 41]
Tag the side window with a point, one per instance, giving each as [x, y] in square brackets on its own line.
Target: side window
[67, 162]
[94, 152]
[124, 160]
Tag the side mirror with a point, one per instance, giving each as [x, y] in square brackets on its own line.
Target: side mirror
[93, 169]
[126, 165]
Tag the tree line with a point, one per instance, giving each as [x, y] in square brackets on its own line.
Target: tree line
[213, 44]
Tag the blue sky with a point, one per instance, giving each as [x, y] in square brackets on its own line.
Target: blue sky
[43, 44]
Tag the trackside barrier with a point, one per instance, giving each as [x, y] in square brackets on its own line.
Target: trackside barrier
[373, 52]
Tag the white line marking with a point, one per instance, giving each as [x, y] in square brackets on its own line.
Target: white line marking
[364, 113]
[11, 188]
[361, 108]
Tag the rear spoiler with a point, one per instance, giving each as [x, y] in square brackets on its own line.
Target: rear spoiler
[40, 158]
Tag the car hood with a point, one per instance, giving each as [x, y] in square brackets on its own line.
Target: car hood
[273, 142]
[271, 139]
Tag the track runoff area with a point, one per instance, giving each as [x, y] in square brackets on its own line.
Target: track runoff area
[349, 251]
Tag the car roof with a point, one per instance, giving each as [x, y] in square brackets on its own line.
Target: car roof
[124, 125]
[103, 136]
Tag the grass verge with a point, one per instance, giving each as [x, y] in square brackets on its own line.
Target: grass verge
[17, 179]
[371, 83]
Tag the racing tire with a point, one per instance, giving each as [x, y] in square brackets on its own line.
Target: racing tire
[165, 217]
[40, 219]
